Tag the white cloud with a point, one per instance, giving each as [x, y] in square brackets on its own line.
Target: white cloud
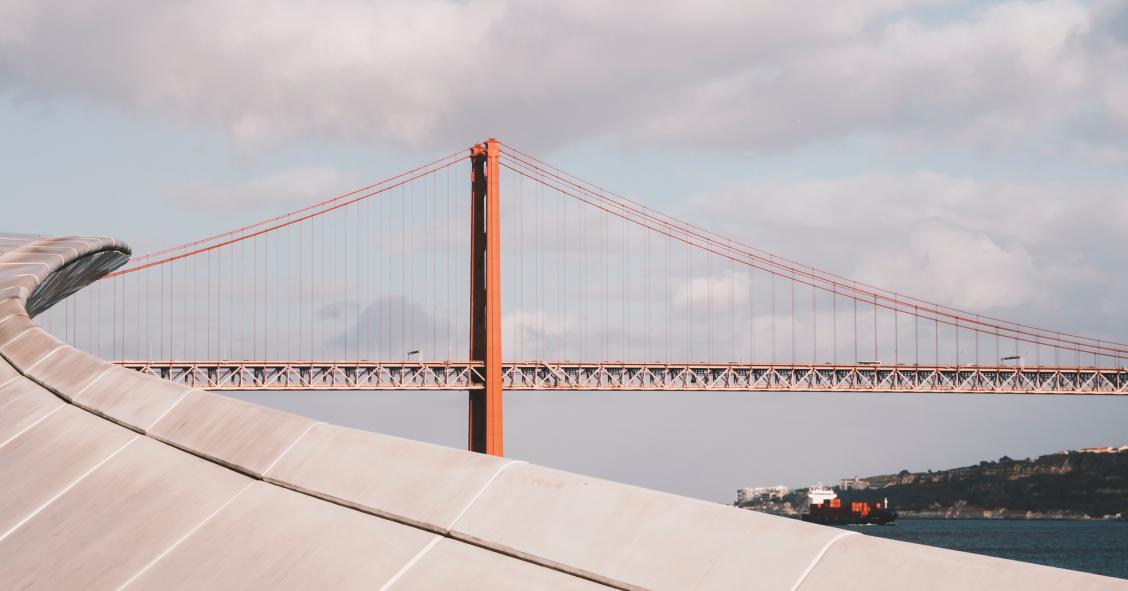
[959, 267]
[721, 290]
[744, 74]
[532, 334]
[1035, 252]
[536, 323]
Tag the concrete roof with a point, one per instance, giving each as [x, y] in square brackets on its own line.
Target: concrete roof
[113, 479]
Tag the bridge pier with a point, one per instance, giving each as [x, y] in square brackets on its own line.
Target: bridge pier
[485, 416]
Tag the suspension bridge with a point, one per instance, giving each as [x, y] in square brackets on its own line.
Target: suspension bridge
[398, 285]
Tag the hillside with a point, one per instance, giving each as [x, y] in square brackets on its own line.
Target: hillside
[1073, 484]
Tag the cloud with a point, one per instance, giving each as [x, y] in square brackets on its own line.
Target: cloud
[762, 75]
[536, 323]
[1034, 252]
[388, 328]
[721, 291]
[962, 268]
[986, 78]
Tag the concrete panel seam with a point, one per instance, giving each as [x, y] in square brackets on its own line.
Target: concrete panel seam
[288, 448]
[818, 557]
[13, 339]
[560, 567]
[185, 536]
[20, 292]
[184, 394]
[500, 550]
[410, 563]
[112, 419]
[44, 358]
[44, 265]
[33, 424]
[67, 488]
[481, 491]
[91, 383]
[20, 250]
[36, 278]
[9, 380]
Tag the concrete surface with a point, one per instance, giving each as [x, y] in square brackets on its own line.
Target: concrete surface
[272, 538]
[26, 349]
[66, 371]
[116, 519]
[129, 398]
[50, 456]
[625, 535]
[238, 434]
[385, 475]
[453, 565]
[22, 404]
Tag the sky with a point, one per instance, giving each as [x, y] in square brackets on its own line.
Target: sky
[974, 153]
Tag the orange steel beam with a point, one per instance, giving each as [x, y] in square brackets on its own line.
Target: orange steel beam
[485, 433]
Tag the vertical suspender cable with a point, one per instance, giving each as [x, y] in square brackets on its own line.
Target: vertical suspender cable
[977, 332]
[403, 274]
[752, 315]
[301, 286]
[834, 322]
[814, 328]
[649, 301]
[732, 310]
[876, 357]
[792, 285]
[773, 313]
[623, 281]
[936, 336]
[433, 251]
[690, 297]
[668, 296]
[854, 297]
[359, 284]
[207, 307]
[562, 282]
[708, 308]
[254, 298]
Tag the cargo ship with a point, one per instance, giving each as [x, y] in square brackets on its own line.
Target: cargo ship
[827, 509]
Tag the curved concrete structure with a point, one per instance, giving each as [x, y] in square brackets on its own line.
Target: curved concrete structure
[113, 479]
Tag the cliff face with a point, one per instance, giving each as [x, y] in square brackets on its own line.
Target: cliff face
[1070, 484]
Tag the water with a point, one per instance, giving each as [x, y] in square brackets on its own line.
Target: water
[1099, 547]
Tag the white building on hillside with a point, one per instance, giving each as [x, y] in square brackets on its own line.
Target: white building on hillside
[761, 493]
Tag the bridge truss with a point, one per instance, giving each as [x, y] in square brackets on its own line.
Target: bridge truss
[596, 376]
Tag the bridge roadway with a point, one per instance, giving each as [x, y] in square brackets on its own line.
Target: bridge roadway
[595, 376]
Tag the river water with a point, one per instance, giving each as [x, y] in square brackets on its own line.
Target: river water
[1094, 546]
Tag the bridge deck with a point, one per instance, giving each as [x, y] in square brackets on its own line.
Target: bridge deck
[587, 376]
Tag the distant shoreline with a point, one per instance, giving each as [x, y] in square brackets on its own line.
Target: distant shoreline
[930, 516]
[1083, 485]
[921, 517]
